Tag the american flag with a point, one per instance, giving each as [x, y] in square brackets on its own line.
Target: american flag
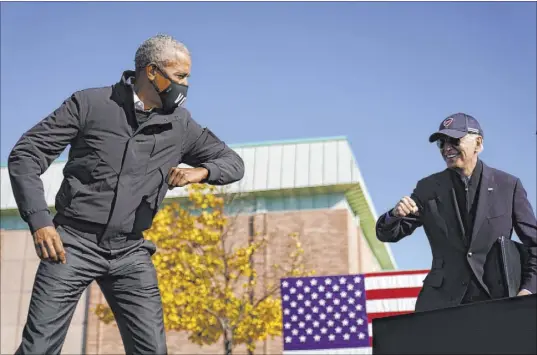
[333, 314]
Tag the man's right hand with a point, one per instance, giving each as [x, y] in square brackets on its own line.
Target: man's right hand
[405, 207]
[48, 245]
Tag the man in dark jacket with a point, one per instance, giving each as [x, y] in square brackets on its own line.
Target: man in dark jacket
[464, 210]
[126, 143]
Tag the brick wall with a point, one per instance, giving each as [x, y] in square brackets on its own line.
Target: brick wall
[18, 265]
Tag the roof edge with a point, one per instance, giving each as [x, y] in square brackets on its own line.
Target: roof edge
[289, 141]
[247, 145]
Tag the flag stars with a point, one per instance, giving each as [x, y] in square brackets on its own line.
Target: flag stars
[351, 300]
[286, 298]
[328, 295]
[316, 324]
[329, 309]
[320, 288]
[345, 322]
[317, 337]
[337, 301]
[344, 308]
[308, 316]
[313, 282]
[330, 323]
[287, 311]
[360, 321]
[343, 294]
[309, 331]
[324, 330]
[288, 339]
[293, 304]
[337, 316]
[358, 293]
[307, 303]
[350, 287]
[285, 284]
[299, 283]
[352, 315]
[335, 288]
[331, 337]
[287, 325]
[302, 338]
[307, 289]
[322, 316]
[361, 336]
[294, 318]
[353, 329]
[338, 330]
[314, 296]
[301, 310]
[342, 280]
[359, 307]
[315, 309]
[357, 280]
[294, 332]
[327, 281]
[322, 302]
[301, 325]
[292, 290]
[300, 297]
[346, 336]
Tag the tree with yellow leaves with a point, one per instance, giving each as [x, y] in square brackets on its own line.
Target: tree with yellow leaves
[209, 286]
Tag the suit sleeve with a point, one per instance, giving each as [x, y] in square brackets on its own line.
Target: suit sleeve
[525, 226]
[203, 149]
[391, 229]
[33, 154]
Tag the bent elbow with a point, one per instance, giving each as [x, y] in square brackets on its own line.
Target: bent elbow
[240, 168]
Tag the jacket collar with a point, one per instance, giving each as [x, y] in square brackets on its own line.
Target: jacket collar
[476, 174]
[122, 91]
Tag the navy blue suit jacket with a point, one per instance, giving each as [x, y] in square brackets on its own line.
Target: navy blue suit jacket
[502, 207]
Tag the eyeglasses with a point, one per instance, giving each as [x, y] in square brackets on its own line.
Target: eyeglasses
[441, 142]
[455, 142]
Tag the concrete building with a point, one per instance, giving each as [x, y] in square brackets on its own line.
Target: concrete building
[313, 187]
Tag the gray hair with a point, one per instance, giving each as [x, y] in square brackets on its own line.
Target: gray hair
[159, 49]
[473, 138]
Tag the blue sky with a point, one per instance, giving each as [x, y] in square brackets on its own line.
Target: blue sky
[382, 74]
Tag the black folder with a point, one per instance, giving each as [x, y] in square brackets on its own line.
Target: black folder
[513, 258]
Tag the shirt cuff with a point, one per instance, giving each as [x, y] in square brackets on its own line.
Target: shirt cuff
[39, 220]
[214, 172]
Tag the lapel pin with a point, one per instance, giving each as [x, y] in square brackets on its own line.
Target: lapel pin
[490, 189]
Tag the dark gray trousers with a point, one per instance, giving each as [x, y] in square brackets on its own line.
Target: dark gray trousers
[127, 279]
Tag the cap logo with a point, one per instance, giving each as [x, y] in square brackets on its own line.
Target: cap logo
[447, 122]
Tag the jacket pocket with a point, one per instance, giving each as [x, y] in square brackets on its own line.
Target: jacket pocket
[167, 151]
[141, 148]
[434, 279]
[149, 206]
[82, 167]
[65, 196]
[497, 210]
[143, 216]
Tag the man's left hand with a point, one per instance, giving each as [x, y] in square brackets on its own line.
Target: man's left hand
[178, 177]
[523, 293]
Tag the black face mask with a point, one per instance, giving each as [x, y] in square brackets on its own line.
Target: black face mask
[174, 95]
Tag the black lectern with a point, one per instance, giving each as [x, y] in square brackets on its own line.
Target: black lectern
[504, 326]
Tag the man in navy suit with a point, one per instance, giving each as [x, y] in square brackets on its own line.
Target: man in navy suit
[464, 210]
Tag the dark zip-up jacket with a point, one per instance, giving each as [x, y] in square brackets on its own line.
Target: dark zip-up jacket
[115, 176]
